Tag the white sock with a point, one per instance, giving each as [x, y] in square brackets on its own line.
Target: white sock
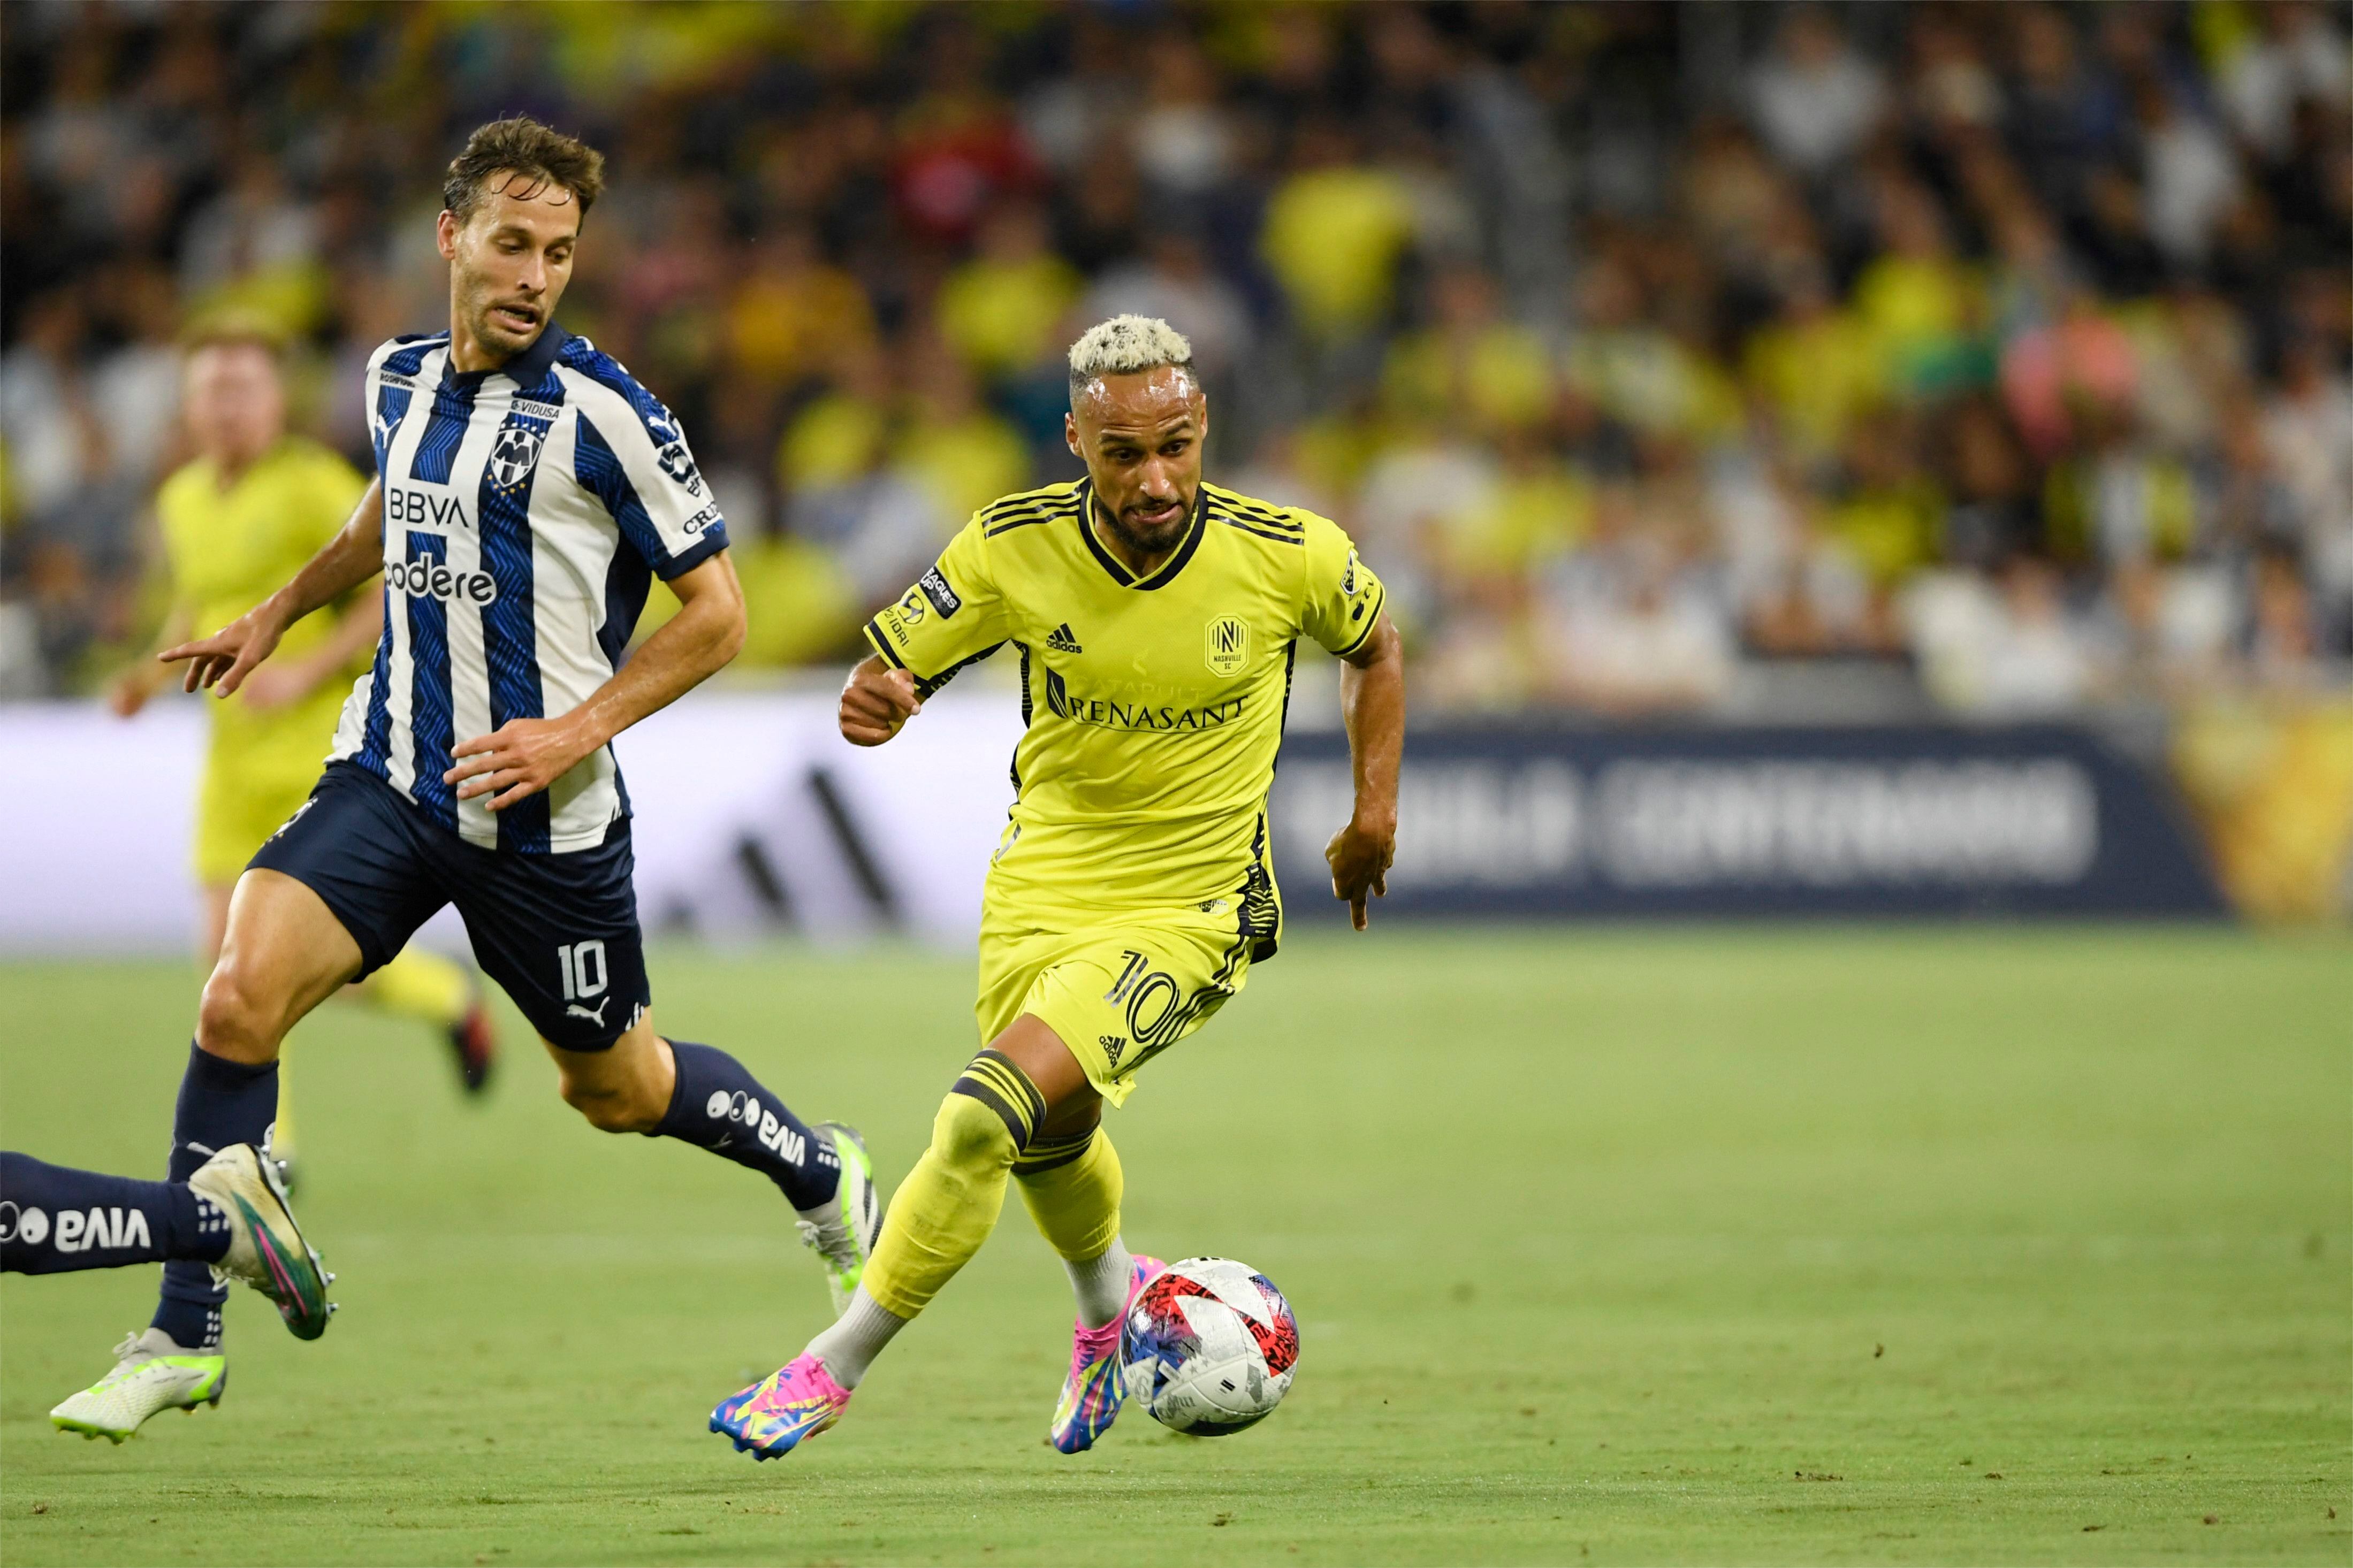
[1101, 1284]
[857, 1337]
[830, 1211]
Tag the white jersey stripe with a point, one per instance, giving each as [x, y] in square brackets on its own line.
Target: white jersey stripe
[400, 686]
[470, 670]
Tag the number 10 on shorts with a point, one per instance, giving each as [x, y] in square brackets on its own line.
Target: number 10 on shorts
[583, 964]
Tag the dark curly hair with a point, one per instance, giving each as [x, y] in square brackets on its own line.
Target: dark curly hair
[532, 153]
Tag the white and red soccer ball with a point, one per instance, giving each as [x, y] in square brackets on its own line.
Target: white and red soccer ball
[1208, 1346]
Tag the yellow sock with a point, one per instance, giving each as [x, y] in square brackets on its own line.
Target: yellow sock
[1073, 1186]
[281, 1130]
[420, 984]
[949, 1203]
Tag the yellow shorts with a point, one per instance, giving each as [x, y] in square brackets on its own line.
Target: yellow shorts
[1119, 994]
[258, 770]
[236, 809]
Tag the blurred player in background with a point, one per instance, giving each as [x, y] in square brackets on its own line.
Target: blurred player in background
[1158, 618]
[231, 1215]
[527, 492]
[240, 518]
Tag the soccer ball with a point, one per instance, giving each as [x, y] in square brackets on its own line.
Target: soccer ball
[1208, 1346]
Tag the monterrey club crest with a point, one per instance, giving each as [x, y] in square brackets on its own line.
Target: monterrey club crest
[1228, 644]
[514, 456]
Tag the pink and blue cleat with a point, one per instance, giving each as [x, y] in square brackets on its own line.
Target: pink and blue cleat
[1094, 1391]
[783, 1410]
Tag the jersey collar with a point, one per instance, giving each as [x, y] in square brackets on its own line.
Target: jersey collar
[526, 369]
[1111, 564]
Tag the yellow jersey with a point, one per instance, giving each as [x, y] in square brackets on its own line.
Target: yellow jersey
[1153, 705]
[229, 550]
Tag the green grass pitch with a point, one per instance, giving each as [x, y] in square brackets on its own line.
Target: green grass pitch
[1770, 1245]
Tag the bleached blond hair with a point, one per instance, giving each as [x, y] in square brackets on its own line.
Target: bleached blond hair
[1126, 345]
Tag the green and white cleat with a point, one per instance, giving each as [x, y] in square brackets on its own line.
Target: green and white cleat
[151, 1372]
[844, 1245]
[267, 1249]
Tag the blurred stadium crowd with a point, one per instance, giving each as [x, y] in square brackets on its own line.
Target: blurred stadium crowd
[1997, 352]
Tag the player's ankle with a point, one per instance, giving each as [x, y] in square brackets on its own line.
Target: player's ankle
[193, 1327]
[847, 1348]
[1101, 1285]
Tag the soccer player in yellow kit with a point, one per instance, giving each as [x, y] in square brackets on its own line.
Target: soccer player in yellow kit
[1156, 619]
[254, 505]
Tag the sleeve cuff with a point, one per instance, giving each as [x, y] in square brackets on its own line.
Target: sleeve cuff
[1372, 619]
[714, 541]
[880, 643]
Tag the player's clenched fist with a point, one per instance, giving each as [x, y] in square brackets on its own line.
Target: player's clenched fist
[876, 701]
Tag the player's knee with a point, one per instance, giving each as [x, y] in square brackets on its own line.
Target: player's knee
[990, 1115]
[968, 1134]
[239, 1018]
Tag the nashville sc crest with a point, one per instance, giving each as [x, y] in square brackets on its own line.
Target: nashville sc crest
[1227, 646]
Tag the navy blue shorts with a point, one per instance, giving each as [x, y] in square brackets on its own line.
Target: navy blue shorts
[558, 933]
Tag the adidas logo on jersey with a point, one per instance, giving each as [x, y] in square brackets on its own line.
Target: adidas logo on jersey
[1060, 640]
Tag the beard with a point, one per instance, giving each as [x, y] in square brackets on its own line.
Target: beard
[495, 332]
[1146, 539]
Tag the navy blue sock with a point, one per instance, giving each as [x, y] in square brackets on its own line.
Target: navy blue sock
[221, 1102]
[719, 1107]
[55, 1220]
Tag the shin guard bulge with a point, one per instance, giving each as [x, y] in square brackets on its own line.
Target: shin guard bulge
[949, 1203]
[221, 1102]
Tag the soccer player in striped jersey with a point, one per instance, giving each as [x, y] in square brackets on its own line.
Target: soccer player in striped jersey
[1157, 618]
[527, 492]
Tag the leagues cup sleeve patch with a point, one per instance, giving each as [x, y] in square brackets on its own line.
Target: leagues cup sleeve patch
[935, 588]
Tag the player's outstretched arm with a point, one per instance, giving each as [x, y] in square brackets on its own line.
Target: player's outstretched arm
[876, 701]
[289, 680]
[523, 756]
[1372, 706]
[355, 554]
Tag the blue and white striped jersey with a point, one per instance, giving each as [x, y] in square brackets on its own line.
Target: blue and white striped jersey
[526, 512]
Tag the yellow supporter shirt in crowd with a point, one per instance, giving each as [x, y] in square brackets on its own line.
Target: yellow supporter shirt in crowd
[1922, 311]
[1533, 512]
[786, 325]
[962, 463]
[1503, 375]
[1332, 237]
[1155, 706]
[228, 549]
[1817, 375]
[834, 440]
[1003, 315]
